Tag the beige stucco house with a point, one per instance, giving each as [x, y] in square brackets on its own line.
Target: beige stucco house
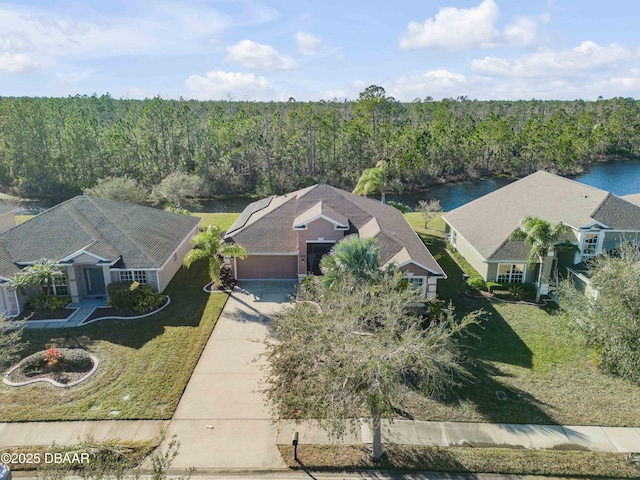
[599, 221]
[285, 236]
[96, 242]
[7, 217]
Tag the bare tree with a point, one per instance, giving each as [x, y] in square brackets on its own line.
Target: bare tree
[429, 209]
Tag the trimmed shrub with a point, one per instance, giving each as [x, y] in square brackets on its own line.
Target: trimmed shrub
[525, 287]
[146, 299]
[477, 283]
[39, 302]
[491, 286]
[134, 297]
[122, 295]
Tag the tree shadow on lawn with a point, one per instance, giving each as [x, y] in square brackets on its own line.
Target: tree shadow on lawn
[494, 341]
[188, 304]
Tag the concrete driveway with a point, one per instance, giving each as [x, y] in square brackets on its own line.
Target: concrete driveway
[223, 390]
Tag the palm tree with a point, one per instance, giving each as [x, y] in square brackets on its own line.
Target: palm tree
[209, 245]
[540, 235]
[39, 274]
[352, 257]
[377, 179]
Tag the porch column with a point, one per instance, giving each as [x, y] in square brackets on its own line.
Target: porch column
[73, 284]
[106, 273]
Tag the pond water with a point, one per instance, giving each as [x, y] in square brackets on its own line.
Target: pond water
[619, 177]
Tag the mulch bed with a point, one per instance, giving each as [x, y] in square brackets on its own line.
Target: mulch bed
[102, 312]
[63, 373]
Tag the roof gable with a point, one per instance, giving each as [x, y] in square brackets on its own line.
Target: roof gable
[321, 210]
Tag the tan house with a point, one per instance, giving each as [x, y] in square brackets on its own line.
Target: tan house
[633, 198]
[599, 221]
[7, 217]
[286, 236]
[96, 242]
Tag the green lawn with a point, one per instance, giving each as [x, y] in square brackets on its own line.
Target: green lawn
[546, 371]
[145, 363]
[222, 220]
[459, 460]
[22, 218]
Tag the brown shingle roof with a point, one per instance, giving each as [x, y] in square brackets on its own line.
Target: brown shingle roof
[487, 223]
[142, 237]
[270, 230]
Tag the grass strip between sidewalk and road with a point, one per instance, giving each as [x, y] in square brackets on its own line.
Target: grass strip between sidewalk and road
[124, 454]
[463, 460]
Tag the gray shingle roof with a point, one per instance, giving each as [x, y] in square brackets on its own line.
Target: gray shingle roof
[141, 237]
[618, 214]
[270, 230]
[487, 222]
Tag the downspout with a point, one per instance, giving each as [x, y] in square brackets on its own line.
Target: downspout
[235, 268]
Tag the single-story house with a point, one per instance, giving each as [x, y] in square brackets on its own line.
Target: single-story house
[96, 242]
[286, 236]
[480, 230]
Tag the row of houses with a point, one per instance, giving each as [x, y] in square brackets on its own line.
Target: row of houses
[96, 242]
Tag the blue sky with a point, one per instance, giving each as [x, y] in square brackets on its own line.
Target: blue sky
[310, 50]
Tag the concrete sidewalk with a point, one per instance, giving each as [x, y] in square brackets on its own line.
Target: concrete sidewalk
[478, 435]
[401, 432]
[21, 434]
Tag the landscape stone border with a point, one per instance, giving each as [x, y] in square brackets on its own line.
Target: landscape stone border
[114, 317]
[207, 289]
[5, 377]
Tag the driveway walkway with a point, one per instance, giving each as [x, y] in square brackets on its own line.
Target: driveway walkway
[222, 421]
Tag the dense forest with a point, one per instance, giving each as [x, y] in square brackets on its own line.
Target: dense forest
[54, 147]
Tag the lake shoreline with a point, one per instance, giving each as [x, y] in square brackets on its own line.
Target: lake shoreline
[614, 175]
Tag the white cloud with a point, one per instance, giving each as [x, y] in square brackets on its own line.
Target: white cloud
[17, 63]
[331, 94]
[15, 43]
[454, 28]
[588, 57]
[168, 28]
[136, 93]
[308, 43]
[436, 84]
[219, 84]
[258, 56]
[359, 84]
[522, 32]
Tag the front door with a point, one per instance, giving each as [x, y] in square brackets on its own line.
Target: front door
[94, 281]
[315, 251]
